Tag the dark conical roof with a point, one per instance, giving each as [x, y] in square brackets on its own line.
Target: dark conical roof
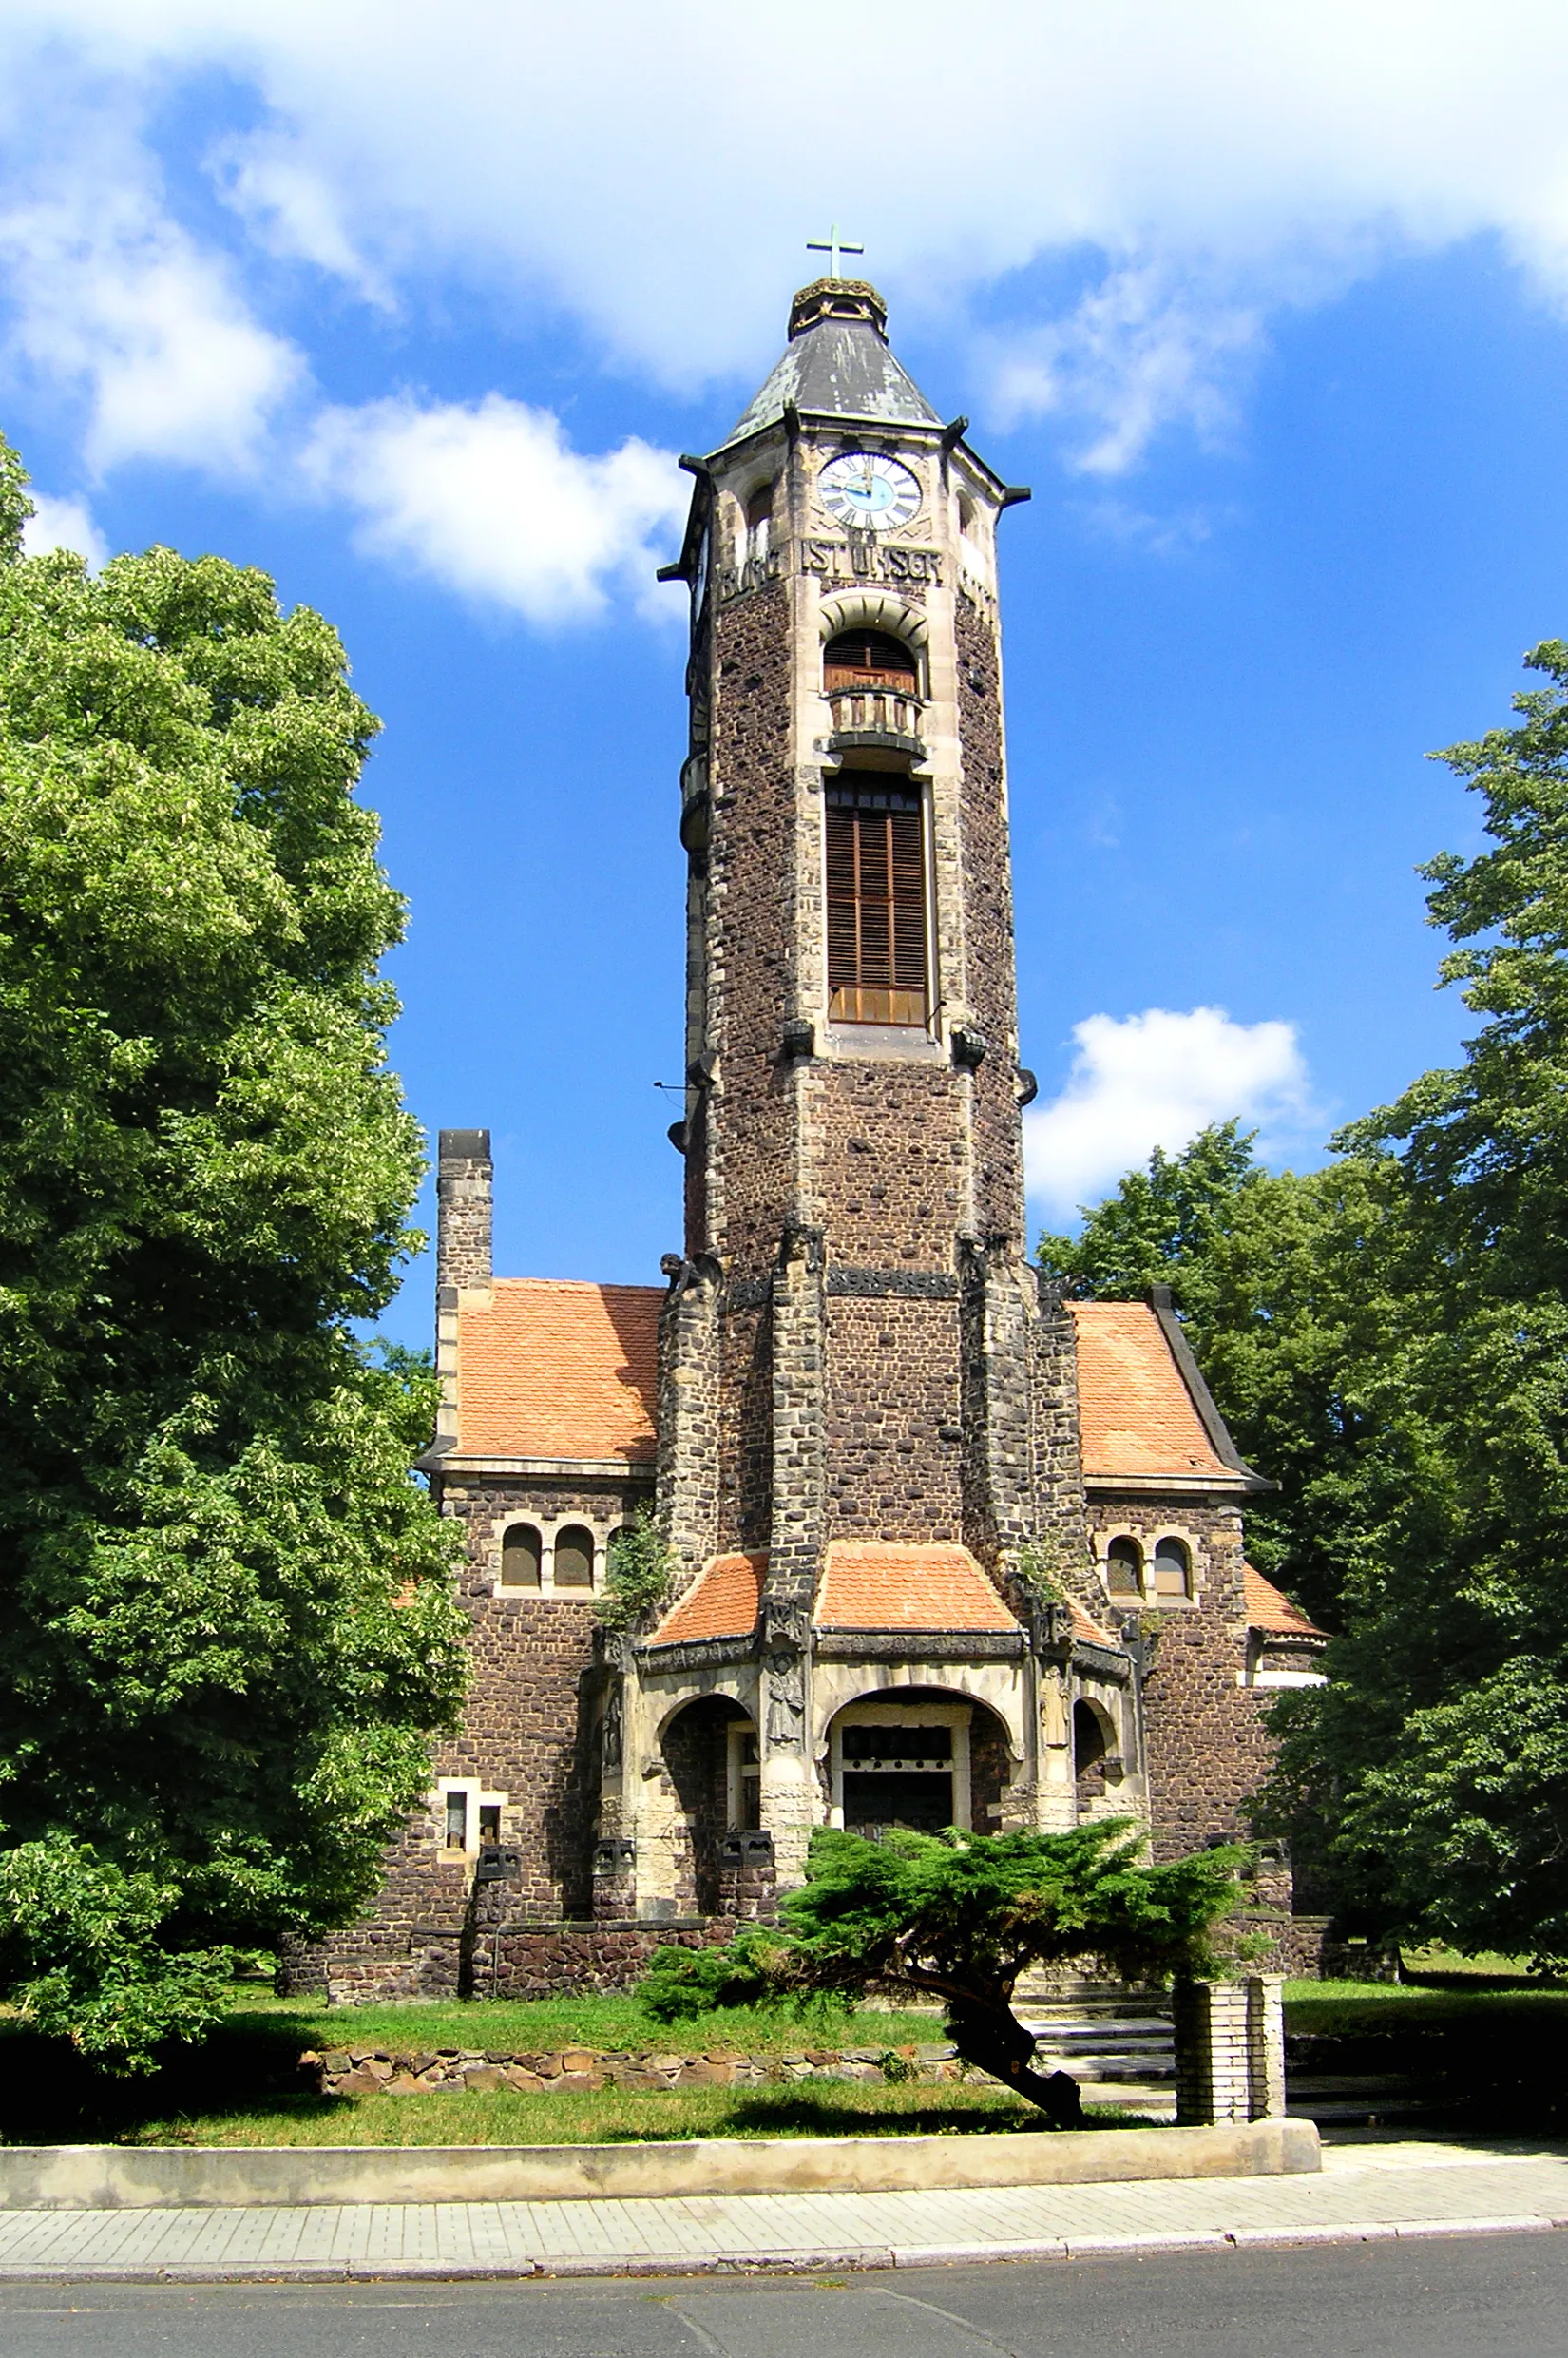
[838, 364]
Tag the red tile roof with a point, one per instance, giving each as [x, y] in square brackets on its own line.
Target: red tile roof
[876, 1585]
[722, 1601]
[1135, 1414]
[558, 1368]
[1273, 1613]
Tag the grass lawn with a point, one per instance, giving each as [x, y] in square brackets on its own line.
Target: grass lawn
[634, 2116]
[586, 2021]
[1375, 2007]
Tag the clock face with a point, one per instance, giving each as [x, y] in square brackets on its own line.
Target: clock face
[871, 492]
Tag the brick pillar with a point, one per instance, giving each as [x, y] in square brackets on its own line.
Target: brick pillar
[1266, 2043]
[1230, 2050]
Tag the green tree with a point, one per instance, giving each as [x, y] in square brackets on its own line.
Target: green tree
[226, 1616]
[957, 1918]
[1439, 1757]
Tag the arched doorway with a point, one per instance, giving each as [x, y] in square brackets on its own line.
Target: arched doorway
[709, 1755]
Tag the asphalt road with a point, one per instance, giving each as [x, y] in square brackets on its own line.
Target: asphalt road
[1503, 2295]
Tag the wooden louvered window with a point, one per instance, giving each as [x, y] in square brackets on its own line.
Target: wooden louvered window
[876, 906]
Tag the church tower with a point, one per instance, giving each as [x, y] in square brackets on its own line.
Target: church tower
[950, 1551]
[855, 1338]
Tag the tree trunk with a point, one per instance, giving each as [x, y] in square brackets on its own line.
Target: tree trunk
[988, 2034]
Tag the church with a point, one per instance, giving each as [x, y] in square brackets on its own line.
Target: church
[951, 1549]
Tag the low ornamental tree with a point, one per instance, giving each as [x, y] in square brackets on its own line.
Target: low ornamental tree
[958, 1918]
[226, 1614]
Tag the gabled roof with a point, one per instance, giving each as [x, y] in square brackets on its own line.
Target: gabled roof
[878, 1585]
[837, 364]
[1271, 1612]
[1138, 1417]
[722, 1601]
[556, 1368]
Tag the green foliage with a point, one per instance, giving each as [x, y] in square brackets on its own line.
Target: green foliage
[957, 1918]
[1039, 1572]
[1431, 1777]
[639, 1576]
[225, 1610]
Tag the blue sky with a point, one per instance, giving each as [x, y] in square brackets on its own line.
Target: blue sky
[414, 308]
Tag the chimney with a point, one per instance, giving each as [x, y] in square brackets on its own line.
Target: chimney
[464, 1172]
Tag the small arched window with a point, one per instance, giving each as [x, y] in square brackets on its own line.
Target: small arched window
[1124, 1568]
[869, 659]
[1173, 1569]
[574, 1557]
[522, 1553]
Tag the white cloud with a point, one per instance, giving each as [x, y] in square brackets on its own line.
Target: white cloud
[63, 524]
[113, 301]
[492, 501]
[1155, 1080]
[1140, 352]
[650, 175]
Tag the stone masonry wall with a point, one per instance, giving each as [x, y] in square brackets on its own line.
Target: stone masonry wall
[526, 1734]
[893, 1414]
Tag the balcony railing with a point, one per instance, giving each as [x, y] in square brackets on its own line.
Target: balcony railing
[877, 714]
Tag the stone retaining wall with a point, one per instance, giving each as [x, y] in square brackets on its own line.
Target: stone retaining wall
[570, 2071]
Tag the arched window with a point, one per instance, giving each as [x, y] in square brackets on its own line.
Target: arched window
[574, 1557]
[869, 659]
[1124, 1568]
[1173, 1569]
[522, 1553]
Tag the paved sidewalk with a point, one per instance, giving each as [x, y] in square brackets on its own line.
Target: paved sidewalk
[1366, 2190]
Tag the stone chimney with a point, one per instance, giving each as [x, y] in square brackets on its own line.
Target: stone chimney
[463, 1176]
[463, 1195]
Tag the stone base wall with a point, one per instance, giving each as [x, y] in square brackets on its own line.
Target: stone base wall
[356, 2070]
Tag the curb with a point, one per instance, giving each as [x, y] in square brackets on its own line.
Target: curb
[805, 2261]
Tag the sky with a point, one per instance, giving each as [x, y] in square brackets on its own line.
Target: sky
[414, 308]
